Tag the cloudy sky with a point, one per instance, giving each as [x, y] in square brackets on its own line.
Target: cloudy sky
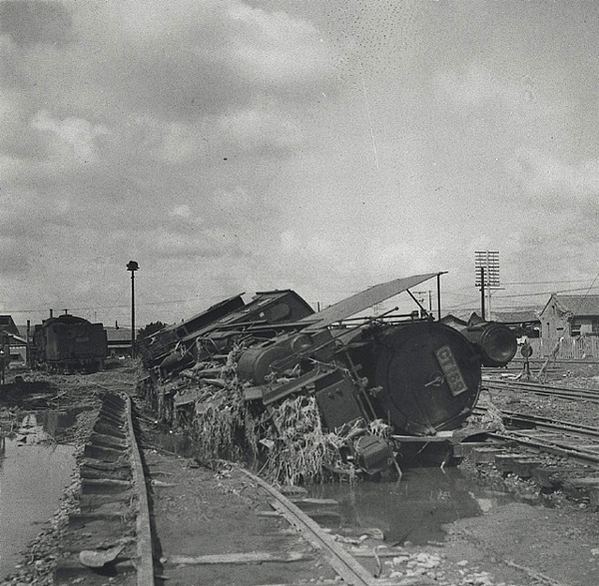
[235, 146]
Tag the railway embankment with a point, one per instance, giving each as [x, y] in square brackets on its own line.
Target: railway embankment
[201, 511]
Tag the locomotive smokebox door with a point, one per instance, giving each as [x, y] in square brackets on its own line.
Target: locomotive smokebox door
[338, 404]
[429, 375]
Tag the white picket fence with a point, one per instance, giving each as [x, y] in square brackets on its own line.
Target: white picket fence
[579, 348]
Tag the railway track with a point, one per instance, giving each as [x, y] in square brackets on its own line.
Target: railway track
[110, 535]
[115, 535]
[580, 442]
[558, 455]
[560, 392]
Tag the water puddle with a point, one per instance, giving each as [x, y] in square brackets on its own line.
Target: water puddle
[414, 509]
[34, 471]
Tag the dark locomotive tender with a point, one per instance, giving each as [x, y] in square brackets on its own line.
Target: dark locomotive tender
[68, 343]
[416, 374]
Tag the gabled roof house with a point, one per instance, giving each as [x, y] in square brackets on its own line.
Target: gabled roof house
[570, 316]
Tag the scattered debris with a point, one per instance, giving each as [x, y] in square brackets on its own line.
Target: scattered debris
[99, 557]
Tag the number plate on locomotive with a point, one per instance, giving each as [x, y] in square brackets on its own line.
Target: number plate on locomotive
[451, 370]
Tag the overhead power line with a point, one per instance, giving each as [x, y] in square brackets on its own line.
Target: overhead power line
[473, 299]
[538, 294]
[544, 282]
[101, 307]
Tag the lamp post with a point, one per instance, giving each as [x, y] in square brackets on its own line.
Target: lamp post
[132, 266]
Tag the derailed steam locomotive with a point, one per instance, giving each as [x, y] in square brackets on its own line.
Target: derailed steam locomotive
[417, 375]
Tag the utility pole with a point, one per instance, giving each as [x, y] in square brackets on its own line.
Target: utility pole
[132, 266]
[439, 295]
[482, 292]
[486, 266]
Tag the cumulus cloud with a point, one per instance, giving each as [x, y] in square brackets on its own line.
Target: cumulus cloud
[475, 86]
[266, 43]
[548, 178]
[186, 59]
[72, 139]
[258, 128]
[147, 127]
[181, 211]
[230, 144]
[519, 96]
[35, 22]
[203, 244]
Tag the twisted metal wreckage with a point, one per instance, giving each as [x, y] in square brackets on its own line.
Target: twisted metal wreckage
[308, 395]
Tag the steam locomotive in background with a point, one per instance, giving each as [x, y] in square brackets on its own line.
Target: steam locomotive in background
[419, 375]
[69, 344]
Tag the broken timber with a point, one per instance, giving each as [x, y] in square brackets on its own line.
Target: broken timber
[240, 558]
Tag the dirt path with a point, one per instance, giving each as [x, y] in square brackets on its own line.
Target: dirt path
[200, 512]
[524, 544]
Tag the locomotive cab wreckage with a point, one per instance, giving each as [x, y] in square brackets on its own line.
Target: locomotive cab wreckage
[378, 383]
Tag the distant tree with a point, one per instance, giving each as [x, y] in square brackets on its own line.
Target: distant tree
[149, 329]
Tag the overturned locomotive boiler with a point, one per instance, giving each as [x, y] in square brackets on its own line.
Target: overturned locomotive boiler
[420, 377]
[416, 375]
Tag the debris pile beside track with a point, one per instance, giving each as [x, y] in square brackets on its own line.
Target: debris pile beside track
[287, 442]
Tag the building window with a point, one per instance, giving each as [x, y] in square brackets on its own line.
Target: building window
[574, 329]
[595, 326]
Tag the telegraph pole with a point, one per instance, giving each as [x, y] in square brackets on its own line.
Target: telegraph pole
[132, 266]
[482, 292]
[486, 266]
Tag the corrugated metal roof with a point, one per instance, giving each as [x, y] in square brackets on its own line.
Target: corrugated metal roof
[364, 300]
[516, 316]
[579, 304]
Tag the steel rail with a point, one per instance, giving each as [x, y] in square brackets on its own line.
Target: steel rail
[340, 560]
[539, 386]
[549, 447]
[573, 394]
[113, 499]
[556, 387]
[145, 560]
[555, 447]
[545, 390]
[552, 423]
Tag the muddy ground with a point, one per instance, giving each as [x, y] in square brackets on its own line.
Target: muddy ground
[196, 507]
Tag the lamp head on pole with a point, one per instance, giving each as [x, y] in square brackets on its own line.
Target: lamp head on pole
[132, 266]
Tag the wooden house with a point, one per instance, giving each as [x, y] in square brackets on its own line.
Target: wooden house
[570, 316]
